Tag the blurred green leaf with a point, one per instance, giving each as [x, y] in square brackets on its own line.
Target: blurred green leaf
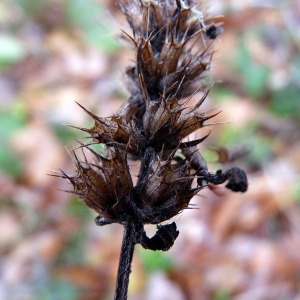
[73, 253]
[103, 38]
[83, 12]
[285, 102]
[261, 151]
[221, 295]
[296, 191]
[11, 120]
[11, 50]
[31, 7]
[219, 94]
[59, 290]
[66, 134]
[254, 75]
[88, 16]
[10, 163]
[78, 209]
[97, 147]
[155, 260]
[295, 69]
[261, 146]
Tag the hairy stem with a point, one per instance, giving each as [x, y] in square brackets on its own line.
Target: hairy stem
[124, 268]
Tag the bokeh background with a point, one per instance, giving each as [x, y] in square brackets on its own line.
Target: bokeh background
[231, 246]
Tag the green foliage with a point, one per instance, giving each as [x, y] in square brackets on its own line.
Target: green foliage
[296, 192]
[285, 102]
[254, 75]
[221, 295]
[67, 135]
[220, 94]
[31, 7]
[88, 16]
[155, 260]
[261, 146]
[58, 290]
[10, 163]
[97, 147]
[77, 209]
[11, 121]
[73, 252]
[11, 50]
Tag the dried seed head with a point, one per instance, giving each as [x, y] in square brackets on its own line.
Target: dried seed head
[167, 191]
[107, 130]
[173, 50]
[103, 183]
[173, 46]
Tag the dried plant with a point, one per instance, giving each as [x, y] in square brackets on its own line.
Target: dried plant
[172, 40]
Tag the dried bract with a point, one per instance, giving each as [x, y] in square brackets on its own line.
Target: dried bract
[172, 40]
[104, 183]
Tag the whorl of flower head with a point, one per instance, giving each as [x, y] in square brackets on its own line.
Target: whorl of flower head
[173, 55]
[173, 47]
[172, 40]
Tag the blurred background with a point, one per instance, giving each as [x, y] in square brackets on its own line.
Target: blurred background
[231, 246]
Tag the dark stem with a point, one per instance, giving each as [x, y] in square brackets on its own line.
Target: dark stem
[124, 268]
[146, 165]
[132, 231]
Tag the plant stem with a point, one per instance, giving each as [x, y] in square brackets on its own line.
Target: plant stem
[126, 255]
[131, 232]
[146, 164]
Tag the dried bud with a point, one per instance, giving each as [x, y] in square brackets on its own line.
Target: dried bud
[167, 122]
[107, 130]
[172, 49]
[162, 240]
[104, 183]
[237, 179]
[167, 191]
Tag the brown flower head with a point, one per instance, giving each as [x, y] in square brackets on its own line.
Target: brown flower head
[173, 42]
[103, 183]
[173, 54]
[168, 191]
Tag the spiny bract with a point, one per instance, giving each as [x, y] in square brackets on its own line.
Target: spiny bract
[172, 40]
